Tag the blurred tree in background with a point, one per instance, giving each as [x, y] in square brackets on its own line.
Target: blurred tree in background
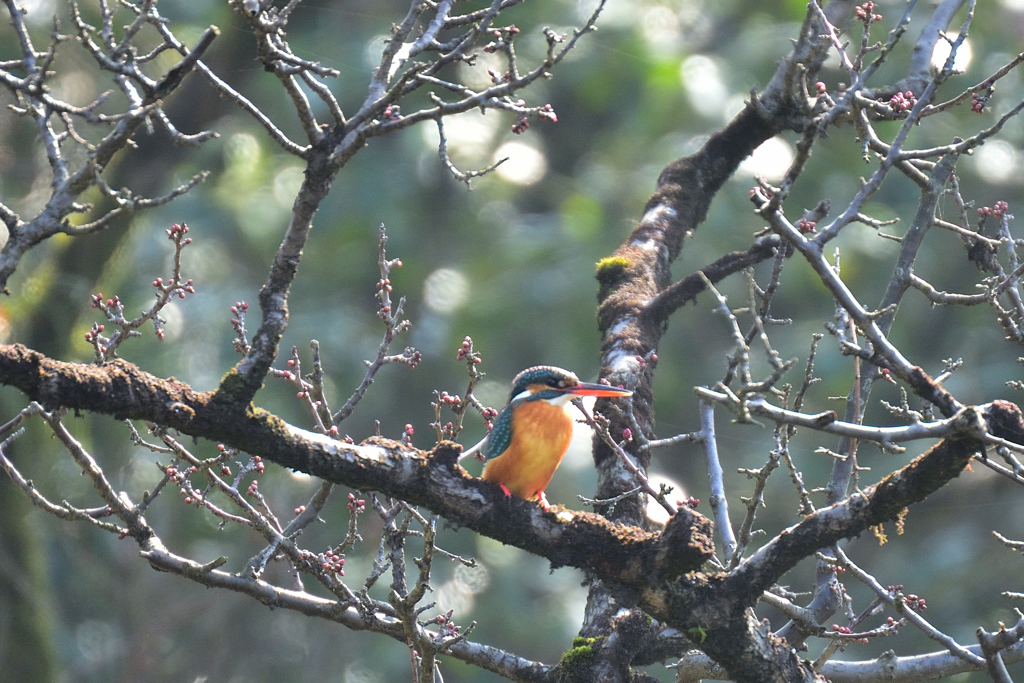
[263, 128]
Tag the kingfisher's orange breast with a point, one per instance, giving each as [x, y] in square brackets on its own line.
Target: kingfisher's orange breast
[541, 433]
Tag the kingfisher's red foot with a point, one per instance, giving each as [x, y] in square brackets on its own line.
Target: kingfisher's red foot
[508, 494]
[545, 505]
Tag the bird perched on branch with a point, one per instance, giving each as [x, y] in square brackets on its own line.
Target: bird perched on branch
[531, 434]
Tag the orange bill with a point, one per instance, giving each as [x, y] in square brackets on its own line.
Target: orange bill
[588, 389]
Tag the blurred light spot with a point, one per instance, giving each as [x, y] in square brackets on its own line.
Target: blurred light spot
[578, 457]
[201, 358]
[174, 321]
[244, 171]
[497, 554]
[450, 596]
[525, 166]
[960, 63]
[468, 134]
[702, 81]
[655, 512]
[833, 61]
[472, 580]
[242, 150]
[475, 75]
[357, 672]
[445, 290]
[661, 28]
[770, 160]
[995, 162]
[696, 21]
[210, 264]
[76, 87]
[492, 393]
[614, 14]
[260, 218]
[374, 49]
[38, 11]
[287, 183]
[99, 641]
[1013, 5]
[35, 286]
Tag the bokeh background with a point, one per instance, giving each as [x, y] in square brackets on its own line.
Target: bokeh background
[509, 263]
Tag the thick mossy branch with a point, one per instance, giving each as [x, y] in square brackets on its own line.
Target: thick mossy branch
[635, 295]
[434, 480]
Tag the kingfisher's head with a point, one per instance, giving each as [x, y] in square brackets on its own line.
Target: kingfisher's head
[556, 386]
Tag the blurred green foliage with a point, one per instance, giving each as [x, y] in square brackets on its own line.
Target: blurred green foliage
[518, 260]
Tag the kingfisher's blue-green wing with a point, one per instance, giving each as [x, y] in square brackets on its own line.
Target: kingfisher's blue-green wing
[501, 434]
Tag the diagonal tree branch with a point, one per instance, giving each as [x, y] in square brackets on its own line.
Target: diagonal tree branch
[433, 480]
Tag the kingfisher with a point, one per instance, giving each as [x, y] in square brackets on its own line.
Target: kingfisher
[532, 432]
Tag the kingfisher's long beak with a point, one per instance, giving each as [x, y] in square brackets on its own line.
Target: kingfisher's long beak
[588, 389]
